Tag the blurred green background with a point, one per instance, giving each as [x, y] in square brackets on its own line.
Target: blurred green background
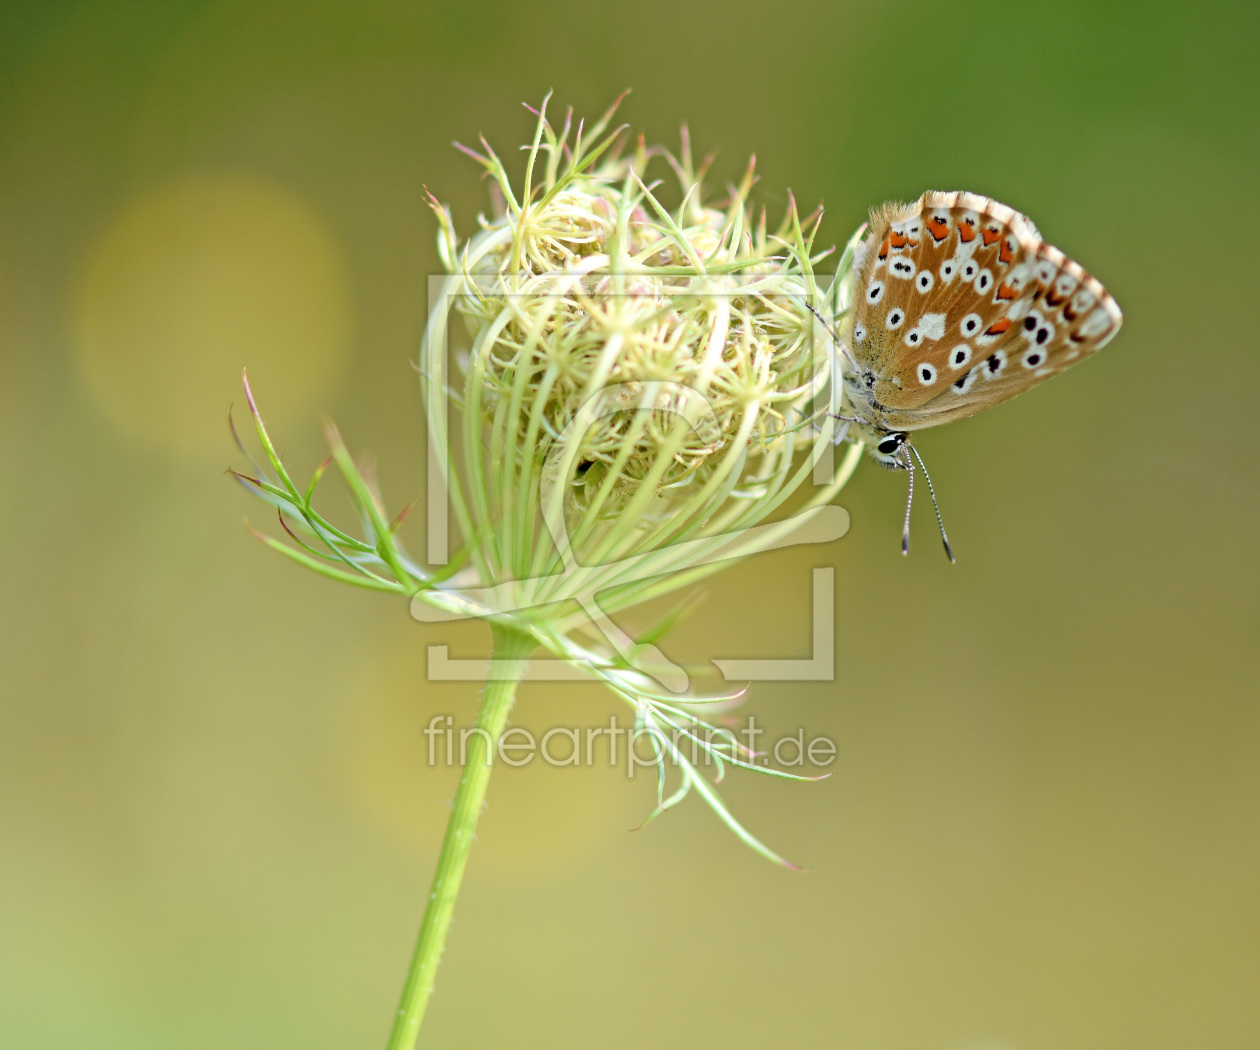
[216, 828]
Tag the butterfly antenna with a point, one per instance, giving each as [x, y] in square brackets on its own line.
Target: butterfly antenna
[905, 529]
[935, 506]
[834, 338]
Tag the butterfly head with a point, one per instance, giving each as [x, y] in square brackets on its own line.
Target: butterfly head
[886, 447]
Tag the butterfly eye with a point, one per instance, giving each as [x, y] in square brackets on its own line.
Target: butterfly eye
[924, 281]
[927, 375]
[895, 317]
[888, 446]
[960, 356]
[875, 292]
[1033, 358]
[859, 334]
[971, 324]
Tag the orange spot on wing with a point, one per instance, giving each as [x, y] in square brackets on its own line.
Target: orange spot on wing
[1054, 300]
[967, 230]
[990, 236]
[938, 228]
[899, 240]
[883, 249]
[1005, 291]
[1007, 253]
[999, 326]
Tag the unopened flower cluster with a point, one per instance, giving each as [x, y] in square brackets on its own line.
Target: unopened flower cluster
[587, 282]
[639, 387]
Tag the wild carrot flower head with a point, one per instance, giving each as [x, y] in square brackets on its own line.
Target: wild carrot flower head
[620, 395]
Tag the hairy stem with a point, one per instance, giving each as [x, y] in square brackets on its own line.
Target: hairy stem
[511, 649]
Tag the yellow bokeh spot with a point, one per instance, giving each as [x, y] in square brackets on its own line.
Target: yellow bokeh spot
[539, 815]
[195, 280]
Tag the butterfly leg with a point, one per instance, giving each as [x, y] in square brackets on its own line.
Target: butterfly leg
[843, 431]
[834, 338]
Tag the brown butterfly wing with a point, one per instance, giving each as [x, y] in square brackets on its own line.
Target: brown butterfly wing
[960, 305]
[1064, 316]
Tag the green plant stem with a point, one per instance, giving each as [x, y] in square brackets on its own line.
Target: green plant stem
[511, 649]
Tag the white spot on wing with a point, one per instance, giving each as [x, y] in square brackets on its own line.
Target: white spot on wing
[1095, 324]
[1082, 301]
[961, 386]
[994, 365]
[902, 268]
[1064, 284]
[932, 326]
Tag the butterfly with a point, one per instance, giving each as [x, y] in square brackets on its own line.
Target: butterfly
[958, 304]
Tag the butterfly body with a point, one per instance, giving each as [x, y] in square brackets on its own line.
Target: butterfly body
[958, 305]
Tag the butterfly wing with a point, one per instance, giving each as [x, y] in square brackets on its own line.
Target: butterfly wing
[961, 305]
